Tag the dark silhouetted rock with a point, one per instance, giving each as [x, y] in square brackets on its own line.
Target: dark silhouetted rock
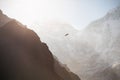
[23, 56]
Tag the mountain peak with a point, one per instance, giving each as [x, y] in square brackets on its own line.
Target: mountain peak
[113, 14]
[3, 19]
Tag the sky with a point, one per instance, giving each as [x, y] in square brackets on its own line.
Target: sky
[78, 13]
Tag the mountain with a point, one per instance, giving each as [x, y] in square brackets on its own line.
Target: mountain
[92, 53]
[3, 19]
[103, 36]
[24, 57]
[101, 48]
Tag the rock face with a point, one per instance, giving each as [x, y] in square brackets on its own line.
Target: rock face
[23, 56]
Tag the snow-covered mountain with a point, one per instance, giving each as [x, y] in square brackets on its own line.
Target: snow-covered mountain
[93, 53]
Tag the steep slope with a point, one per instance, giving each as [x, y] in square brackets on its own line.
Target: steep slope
[23, 56]
[64, 71]
[60, 38]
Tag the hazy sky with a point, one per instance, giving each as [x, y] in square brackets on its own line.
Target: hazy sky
[78, 13]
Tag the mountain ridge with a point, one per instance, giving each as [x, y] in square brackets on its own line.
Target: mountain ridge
[24, 57]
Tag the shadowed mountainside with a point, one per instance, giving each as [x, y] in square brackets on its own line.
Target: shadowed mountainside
[24, 57]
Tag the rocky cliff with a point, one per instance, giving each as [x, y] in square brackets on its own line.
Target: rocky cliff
[23, 56]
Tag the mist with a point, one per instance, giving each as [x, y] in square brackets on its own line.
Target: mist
[83, 35]
[92, 53]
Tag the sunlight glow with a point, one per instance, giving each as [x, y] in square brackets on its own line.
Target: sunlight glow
[78, 13]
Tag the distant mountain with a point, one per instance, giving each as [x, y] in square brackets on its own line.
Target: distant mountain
[92, 53]
[103, 36]
[24, 57]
